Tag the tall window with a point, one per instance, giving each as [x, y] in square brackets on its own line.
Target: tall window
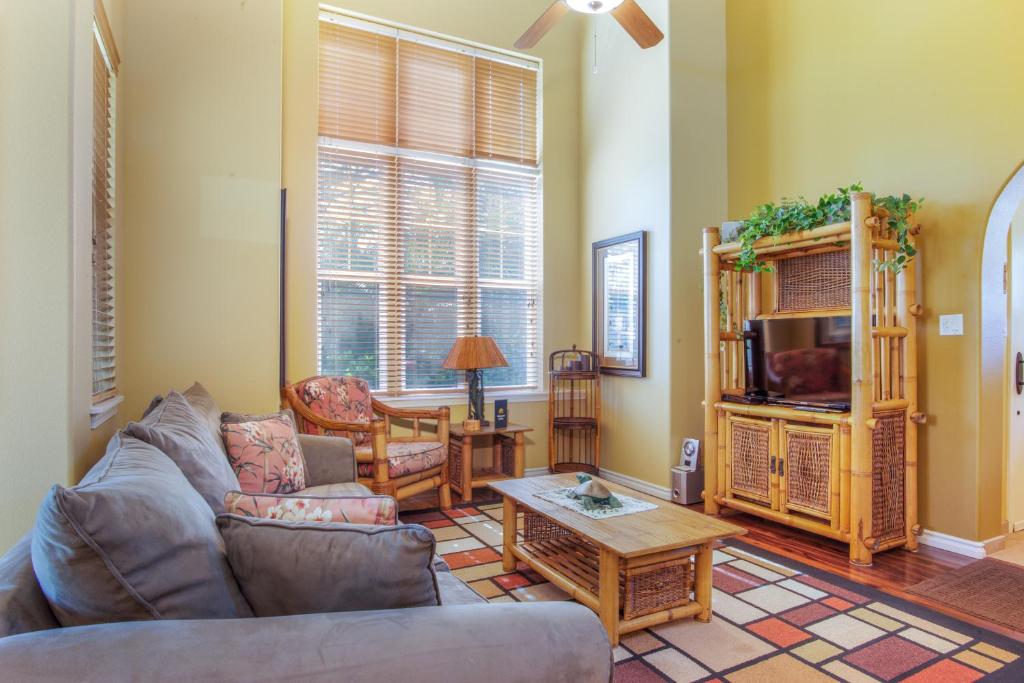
[104, 375]
[428, 215]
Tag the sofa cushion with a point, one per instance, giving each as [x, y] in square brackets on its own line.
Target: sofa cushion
[404, 457]
[347, 488]
[204, 405]
[23, 607]
[177, 429]
[345, 399]
[264, 452]
[304, 567]
[454, 591]
[136, 543]
[305, 508]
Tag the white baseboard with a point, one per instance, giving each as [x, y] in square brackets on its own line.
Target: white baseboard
[650, 489]
[1018, 526]
[962, 546]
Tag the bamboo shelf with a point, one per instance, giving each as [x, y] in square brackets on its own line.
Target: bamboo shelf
[847, 476]
[574, 412]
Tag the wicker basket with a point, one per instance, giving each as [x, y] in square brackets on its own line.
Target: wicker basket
[540, 528]
[813, 282]
[656, 587]
[642, 589]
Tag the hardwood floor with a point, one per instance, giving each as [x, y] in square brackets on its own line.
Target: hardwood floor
[893, 572]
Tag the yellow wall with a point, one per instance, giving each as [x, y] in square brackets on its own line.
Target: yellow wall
[653, 153]
[491, 23]
[919, 96]
[201, 167]
[45, 260]
[625, 185]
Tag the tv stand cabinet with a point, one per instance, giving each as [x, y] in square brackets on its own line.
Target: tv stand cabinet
[848, 476]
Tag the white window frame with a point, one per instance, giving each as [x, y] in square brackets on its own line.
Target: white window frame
[415, 397]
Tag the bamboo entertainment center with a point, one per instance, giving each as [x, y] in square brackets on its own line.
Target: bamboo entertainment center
[850, 476]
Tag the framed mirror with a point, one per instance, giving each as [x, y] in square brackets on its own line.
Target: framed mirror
[620, 304]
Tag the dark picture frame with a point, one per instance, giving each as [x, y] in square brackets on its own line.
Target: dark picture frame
[619, 325]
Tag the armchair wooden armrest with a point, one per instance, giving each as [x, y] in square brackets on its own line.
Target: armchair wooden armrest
[442, 415]
[412, 413]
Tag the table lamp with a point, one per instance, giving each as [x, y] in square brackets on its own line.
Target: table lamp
[473, 354]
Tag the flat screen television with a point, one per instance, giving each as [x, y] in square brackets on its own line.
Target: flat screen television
[799, 361]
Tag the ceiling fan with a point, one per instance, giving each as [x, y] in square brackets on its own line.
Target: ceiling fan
[626, 12]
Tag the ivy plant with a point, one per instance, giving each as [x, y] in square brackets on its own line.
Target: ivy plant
[795, 215]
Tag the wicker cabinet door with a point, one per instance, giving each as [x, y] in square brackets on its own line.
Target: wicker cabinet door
[808, 471]
[749, 456]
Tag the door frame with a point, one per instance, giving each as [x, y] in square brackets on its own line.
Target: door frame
[995, 375]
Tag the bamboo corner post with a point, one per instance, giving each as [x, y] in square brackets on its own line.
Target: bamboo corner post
[712, 367]
[862, 376]
[851, 476]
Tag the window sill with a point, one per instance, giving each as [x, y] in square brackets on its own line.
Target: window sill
[104, 410]
[461, 398]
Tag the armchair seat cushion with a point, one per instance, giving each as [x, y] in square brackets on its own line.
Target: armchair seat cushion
[348, 488]
[404, 457]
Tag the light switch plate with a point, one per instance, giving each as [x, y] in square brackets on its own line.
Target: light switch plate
[951, 325]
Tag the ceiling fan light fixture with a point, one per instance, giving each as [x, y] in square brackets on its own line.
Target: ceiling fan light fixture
[594, 6]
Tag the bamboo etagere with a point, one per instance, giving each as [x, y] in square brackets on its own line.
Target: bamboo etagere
[848, 476]
[574, 412]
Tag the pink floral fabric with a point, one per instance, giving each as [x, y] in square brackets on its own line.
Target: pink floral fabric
[346, 399]
[405, 457]
[379, 510]
[265, 454]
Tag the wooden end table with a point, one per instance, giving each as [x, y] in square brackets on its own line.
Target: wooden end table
[635, 571]
[509, 457]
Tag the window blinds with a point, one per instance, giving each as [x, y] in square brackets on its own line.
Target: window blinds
[104, 374]
[428, 207]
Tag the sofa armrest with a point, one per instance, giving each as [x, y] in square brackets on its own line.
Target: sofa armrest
[554, 641]
[329, 459]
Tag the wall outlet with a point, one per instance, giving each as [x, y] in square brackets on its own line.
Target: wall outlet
[951, 325]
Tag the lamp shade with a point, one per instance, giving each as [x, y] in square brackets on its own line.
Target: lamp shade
[473, 353]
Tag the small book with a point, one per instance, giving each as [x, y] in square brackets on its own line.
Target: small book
[501, 413]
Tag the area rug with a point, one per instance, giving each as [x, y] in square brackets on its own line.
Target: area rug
[774, 620]
[989, 588]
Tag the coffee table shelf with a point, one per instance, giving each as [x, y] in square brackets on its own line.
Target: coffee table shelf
[635, 571]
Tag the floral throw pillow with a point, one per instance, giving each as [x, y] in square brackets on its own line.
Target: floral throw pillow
[264, 452]
[378, 510]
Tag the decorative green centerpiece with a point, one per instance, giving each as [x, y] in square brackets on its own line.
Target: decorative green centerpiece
[795, 215]
[593, 494]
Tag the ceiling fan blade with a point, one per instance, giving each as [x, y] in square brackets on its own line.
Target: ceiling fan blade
[542, 25]
[637, 24]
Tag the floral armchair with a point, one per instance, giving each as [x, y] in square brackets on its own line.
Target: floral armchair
[398, 466]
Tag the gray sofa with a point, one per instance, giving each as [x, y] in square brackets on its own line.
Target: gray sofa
[463, 639]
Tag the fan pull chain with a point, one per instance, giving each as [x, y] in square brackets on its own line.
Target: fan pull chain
[595, 46]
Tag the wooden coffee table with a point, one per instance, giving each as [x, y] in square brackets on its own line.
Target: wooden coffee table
[635, 570]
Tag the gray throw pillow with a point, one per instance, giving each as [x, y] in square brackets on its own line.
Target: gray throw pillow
[206, 407]
[288, 568]
[178, 430]
[136, 543]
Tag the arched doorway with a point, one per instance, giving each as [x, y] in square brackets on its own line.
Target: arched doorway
[995, 366]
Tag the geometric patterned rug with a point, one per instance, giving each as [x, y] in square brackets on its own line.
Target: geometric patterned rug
[774, 620]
